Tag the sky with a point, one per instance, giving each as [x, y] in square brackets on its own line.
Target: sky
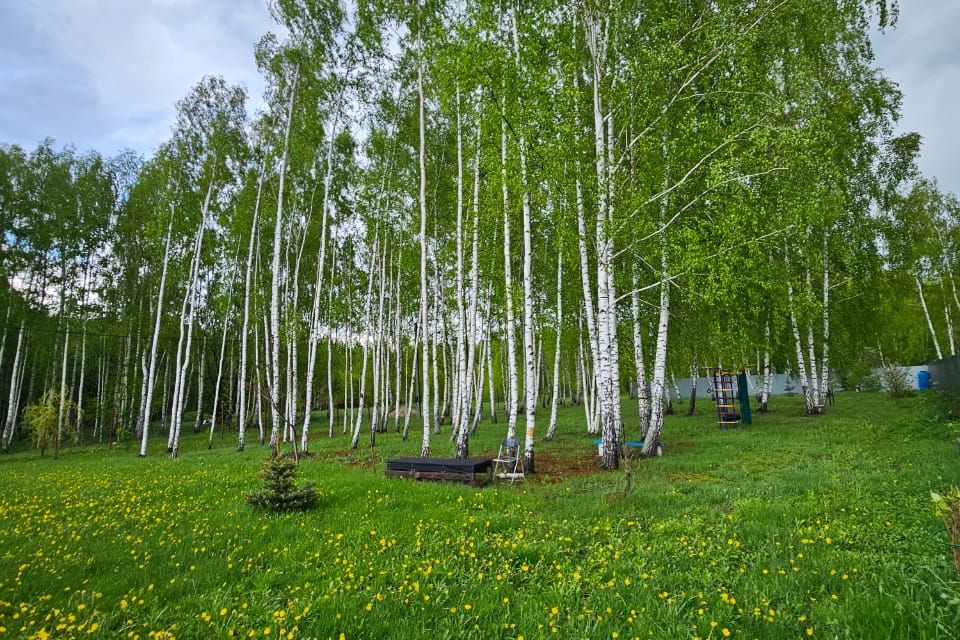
[106, 74]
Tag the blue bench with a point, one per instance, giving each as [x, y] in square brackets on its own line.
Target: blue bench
[635, 445]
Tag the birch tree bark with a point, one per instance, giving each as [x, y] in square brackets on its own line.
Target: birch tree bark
[513, 392]
[245, 329]
[314, 336]
[926, 314]
[530, 369]
[152, 369]
[643, 396]
[825, 353]
[552, 427]
[62, 410]
[372, 266]
[425, 365]
[274, 337]
[189, 319]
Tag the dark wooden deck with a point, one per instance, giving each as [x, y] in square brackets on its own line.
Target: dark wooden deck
[452, 469]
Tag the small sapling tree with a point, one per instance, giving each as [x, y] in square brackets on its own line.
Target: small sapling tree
[280, 491]
[40, 419]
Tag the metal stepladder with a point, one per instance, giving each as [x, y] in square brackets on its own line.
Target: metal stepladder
[508, 465]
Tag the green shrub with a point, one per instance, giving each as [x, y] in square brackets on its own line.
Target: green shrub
[280, 492]
[895, 381]
[40, 421]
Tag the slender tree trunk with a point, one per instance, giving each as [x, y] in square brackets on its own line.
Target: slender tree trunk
[801, 363]
[767, 372]
[948, 318]
[425, 364]
[552, 427]
[825, 354]
[643, 396]
[179, 399]
[435, 321]
[513, 393]
[926, 314]
[223, 349]
[330, 403]
[62, 411]
[198, 424]
[245, 329]
[398, 348]
[490, 380]
[274, 336]
[694, 376]
[811, 349]
[377, 409]
[372, 265]
[652, 436]
[152, 370]
[412, 382]
[314, 337]
[530, 368]
[651, 439]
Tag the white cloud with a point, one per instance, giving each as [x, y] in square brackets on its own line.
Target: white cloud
[107, 73]
[922, 55]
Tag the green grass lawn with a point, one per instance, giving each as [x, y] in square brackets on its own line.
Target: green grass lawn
[794, 527]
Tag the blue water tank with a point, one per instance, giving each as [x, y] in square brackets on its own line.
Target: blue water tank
[923, 380]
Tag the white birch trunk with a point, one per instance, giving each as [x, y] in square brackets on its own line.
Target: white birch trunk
[366, 343]
[314, 336]
[245, 329]
[926, 314]
[434, 326]
[190, 319]
[397, 346]
[13, 400]
[412, 381]
[490, 381]
[513, 392]
[462, 387]
[378, 391]
[83, 370]
[203, 359]
[948, 318]
[425, 364]
[596, 40]
[811, 349]
[651, 438]
[611, 285]
[274, 336]
[223, 349]
[825, 352]
[552, 427]
[643, 398]
[801, 364]
[767, 372]
[62, 410]
[584, 381]
[657, 388]
[152, 369]
[471, 334]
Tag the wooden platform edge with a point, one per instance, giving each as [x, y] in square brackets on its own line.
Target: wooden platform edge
[454, 476]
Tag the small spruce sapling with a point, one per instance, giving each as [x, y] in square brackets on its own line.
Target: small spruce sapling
[280, 492]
